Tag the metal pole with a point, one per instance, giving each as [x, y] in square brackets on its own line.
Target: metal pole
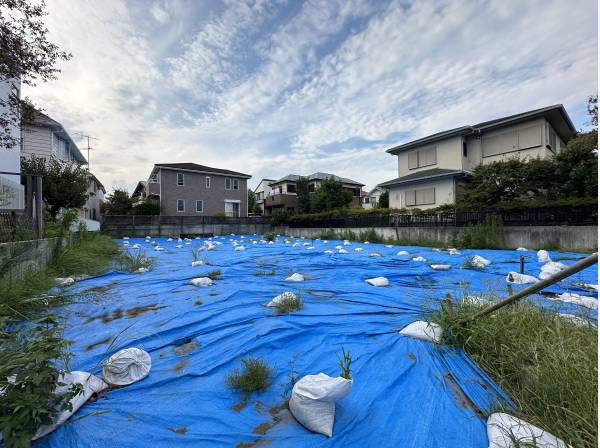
[522, 264]
[37, 180]
[573, 269]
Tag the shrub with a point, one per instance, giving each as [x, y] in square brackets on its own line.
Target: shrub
[148, 207]
[270, 236]
[255, 376]
[132, 261]
[289, 304]
[486, 235]
[279, 217]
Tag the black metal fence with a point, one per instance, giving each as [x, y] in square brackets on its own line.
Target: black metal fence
[552, 216]
[151, 220]
[16, 227]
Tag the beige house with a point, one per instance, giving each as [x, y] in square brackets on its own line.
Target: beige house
[432, 169]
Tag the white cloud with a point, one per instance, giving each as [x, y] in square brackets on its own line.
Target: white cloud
[272, 88]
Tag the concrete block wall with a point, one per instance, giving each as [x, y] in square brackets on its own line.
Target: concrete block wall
[19, 258]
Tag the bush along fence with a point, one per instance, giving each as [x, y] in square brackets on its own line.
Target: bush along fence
[573, 215]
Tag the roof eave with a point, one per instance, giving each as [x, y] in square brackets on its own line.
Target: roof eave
[241, 175]
[422, 179]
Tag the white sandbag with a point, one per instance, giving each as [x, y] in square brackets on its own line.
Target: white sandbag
[388, 246]
[440, 267]
[503, 428]
[295, 277]
[64, 281]
[306, 244]
[158, 248]
[419, 259]
[328, 251]
[402, 253]
[436, 249]
[347, 243]
[551, 268]
[543, 256]
[366, 242]
[325, 241]
[125, 237]
[520, 279]
[310, 247]
[342, 251]
[179, 246]
[169, 239]
[576, 320]
[296, 245]
[281, 297]
[201, 281]
[474, 300]
[338, 247]
[127, 366]
[313, 401]
[197, 263]
[358, 249]
[90, 384]
[426, 331]
[567, 297]
[453, 251]
[374, 255]
[522, 249]
[378, 281]
[239, 248]
[136, 246]
[141, 270]
[480, 262]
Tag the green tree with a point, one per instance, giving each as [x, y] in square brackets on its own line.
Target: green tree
[577, 167]
[26, 55]
[148, 207]
[64, 185]
[384, 200]
[329, 196]
[251, 201]
[496, 182]
[303, 195]
[117, 203]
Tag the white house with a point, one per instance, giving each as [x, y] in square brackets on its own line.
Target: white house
[262, 190]
[12, 196]
[432, 169]
[47, 138]
[371, 199]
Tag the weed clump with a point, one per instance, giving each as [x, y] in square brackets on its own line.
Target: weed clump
[548, 365]
[255, 376]
[134, 261]
[345, 362]
[485, 235]
[270, 236]
[288, 304]
[215, 275]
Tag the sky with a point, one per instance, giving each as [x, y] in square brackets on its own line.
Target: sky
[276, 87]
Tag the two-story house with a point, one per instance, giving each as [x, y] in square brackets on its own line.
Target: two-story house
[262, 190]
[189, 189]
[283, 191]
[371, 199]
[46, 138]
[432, 169]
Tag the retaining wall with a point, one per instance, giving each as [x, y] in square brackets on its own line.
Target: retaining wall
[21, 257]
[568, 238]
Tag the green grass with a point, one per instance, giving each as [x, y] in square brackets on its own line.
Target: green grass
[132, 261]
[288, 305]
[545, 363]
[372, 236]
[255, 376]
[90, 254]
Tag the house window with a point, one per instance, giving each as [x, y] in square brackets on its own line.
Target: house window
[311, 188]
[227, 183]
[552, 140]
[366, 199]
[232, 209]
[207, 181]
[464, 148]
[180, 179]
[154, 178]
[425, 196]
[180, 205]
[421, 158]
[236, 184]
[199, 206]
[291, 188]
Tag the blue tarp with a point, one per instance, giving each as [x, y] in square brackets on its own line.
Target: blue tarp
[406, 392]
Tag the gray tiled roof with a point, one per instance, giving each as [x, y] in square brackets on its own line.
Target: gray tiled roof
[318, 176]
[200, 168]
[423, 175]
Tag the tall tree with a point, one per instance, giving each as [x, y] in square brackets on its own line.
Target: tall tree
[64, 185]
[25, 55]
[384, 200]
[251, 201]
[329, 196]
[117, 203]
[303, 195]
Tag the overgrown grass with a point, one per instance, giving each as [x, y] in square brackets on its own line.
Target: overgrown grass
[485, 235]
[372, 236]
[545, 363]
[289, 304]
[133, 261]
[270, 236]
[21, 299]
[255, 376]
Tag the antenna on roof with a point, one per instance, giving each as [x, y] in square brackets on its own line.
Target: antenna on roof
[88, 137]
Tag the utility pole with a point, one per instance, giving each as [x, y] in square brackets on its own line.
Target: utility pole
[88, 137]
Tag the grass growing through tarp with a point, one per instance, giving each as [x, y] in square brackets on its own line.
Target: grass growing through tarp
[545, 363]
[133, 261]
[345, 362]
[255, 376]
[289, 304]
[90, 254]
[33, 353]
